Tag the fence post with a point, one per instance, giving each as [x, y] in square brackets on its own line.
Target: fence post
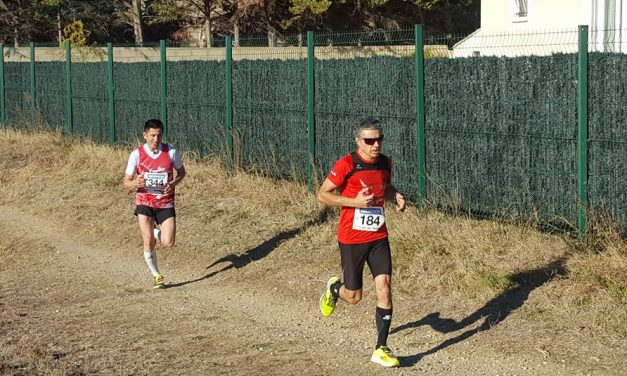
[32, 85]
[164, 89]
[3, 109]
[69, 115]
[311, 115]
[111, 93]
[420, 115]
[582, 132]
[229, 100]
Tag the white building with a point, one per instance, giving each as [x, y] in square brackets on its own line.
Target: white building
[544, 27]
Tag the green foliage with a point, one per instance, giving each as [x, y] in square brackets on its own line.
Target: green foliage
[166, 11]
[38, 20]
[434, 4]
[51, 3]
[75, 33]
[422, 4]
[314, 6]
[109, 21]
[368, 3]
[305, 11]
[78, 36]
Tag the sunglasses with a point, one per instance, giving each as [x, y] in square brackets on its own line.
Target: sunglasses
[371, 141]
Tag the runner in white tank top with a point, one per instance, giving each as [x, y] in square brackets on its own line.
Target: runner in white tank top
[153, 171]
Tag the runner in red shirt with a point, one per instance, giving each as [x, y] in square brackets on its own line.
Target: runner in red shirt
[363, 179]
[150, 171]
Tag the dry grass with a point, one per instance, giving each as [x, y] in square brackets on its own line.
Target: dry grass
[239, 218]
[599, 267]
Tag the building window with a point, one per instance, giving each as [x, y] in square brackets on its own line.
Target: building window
[520, 10]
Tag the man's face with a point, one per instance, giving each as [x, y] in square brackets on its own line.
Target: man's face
[153, 138]
[369, 143]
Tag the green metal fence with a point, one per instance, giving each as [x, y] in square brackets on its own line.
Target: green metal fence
[516, 125]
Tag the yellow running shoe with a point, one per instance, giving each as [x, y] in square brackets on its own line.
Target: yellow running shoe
[327, 300]
[385, 357]
[158, 282]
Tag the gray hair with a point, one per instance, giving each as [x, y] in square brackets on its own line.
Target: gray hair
[367, 123]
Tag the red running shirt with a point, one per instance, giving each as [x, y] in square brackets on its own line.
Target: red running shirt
[351, 174]
[162, 164]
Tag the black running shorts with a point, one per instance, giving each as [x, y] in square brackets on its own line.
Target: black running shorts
[159, 215]
[354, 256]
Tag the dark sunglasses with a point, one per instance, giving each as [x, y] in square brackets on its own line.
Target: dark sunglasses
[371, 141]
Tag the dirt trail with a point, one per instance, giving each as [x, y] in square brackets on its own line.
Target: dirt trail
[86, 309]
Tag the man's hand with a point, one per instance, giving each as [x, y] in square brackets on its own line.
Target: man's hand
[140, 182]
[364, 200]
[400, 202]
[169, 189]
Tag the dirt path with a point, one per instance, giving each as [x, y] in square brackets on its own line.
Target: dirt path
[73, 307]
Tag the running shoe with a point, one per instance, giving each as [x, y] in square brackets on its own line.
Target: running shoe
[158, 282]
[385, 357]
[327, 300]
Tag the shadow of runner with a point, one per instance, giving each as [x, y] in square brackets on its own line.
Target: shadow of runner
[239, 261]
[494, 311]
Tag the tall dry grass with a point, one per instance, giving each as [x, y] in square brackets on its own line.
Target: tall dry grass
[275, 232]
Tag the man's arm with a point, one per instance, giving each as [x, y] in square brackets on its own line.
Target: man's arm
[329, 197]
[392, 194]
[133, 182]
[180, 175]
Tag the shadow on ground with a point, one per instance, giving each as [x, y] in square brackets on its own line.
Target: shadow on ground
[493, 312]
[239, 261]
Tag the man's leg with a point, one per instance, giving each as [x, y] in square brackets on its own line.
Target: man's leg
[168, 232]
[382, 354]
[146, 225]
[353, 258]
[380, 263]
[383, 287]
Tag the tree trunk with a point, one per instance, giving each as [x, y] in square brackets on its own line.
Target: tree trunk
[208, 32]
[271, 37]
[136, 13]
[59, 29]
[236, 33]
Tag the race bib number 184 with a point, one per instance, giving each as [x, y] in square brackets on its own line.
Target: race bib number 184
[368, 219]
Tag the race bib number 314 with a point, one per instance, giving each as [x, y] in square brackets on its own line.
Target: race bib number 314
[368, 219]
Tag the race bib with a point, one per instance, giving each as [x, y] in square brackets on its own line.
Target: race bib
[368, 219]
[155, 181]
